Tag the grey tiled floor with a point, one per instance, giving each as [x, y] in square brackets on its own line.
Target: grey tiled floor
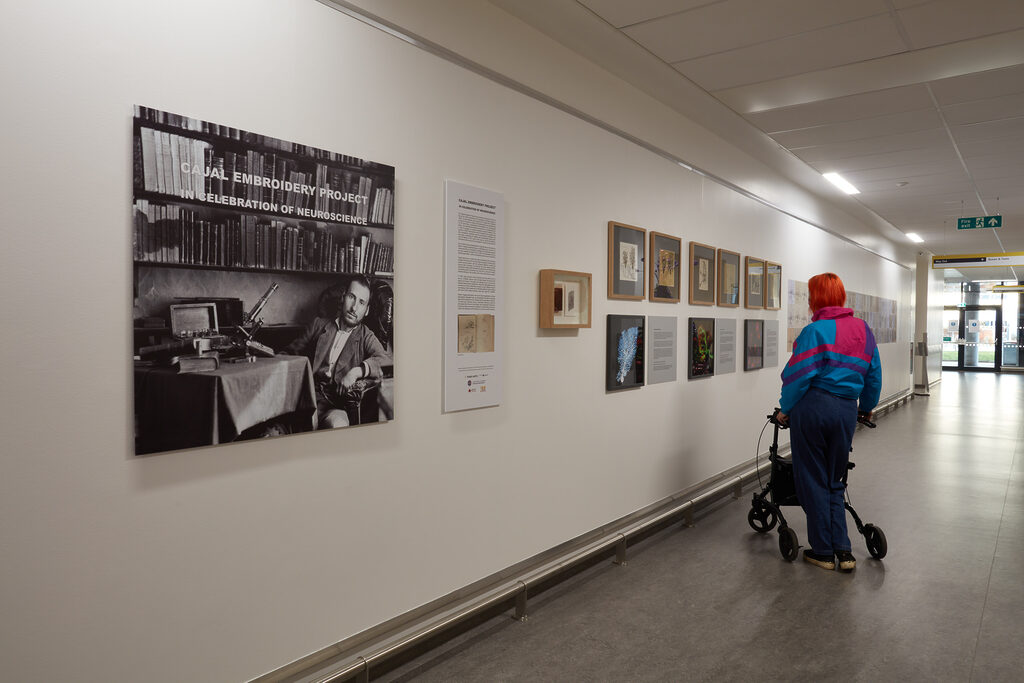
[943, 476]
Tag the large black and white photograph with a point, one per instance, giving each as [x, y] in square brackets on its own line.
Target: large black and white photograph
[263, 287]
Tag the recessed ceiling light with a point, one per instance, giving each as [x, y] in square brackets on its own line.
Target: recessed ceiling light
[914, 237]
[841, 182]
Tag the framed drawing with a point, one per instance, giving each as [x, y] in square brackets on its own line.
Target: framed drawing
[564, 299]
[666, 257]
[701, 342]
[772, 286]
[754, 275]
[626, 277]
[624, 353]
[728, 278]
[702, 274]
[753, 344]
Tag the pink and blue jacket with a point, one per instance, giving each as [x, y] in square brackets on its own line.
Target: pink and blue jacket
[836, 353]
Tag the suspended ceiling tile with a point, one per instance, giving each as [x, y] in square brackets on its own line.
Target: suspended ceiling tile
[918, 185]
[903, 4]
[834, 46]
[724, 26]
[620, 14]
[948, 21]
[886, 150]
[1013, 162]
[981, 85]
[905, 68]
[936, 158]
[862, 129]
[895, 173]
[991, 130]
[1001, 146]
[836, 110]
[936, 203]
[902, 213]
[1004, 107]
[989, 175]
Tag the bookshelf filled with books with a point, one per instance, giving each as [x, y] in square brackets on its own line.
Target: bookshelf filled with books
[208, 195]
[184, 235]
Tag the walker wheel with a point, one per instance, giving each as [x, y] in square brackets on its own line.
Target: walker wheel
[761, 520]
[876, 541]
[788, 543]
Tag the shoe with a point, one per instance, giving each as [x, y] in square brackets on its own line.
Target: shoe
[847, 562]
[823, 561]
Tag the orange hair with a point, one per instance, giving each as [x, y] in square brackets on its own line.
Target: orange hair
[826, 289]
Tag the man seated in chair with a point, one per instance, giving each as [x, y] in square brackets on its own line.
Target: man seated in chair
[345, 356]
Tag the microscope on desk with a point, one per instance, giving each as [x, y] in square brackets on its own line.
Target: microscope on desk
[244, 348]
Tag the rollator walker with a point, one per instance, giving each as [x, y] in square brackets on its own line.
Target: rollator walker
[766, 506]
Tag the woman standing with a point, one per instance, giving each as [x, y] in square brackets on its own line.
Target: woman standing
[834, 367]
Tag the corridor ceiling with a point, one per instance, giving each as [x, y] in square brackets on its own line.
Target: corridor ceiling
[918, 103]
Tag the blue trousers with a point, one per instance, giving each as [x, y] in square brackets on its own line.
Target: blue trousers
[821, 433]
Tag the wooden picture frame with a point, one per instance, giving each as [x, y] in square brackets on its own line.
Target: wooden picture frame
[753, 344]
[624, 352]
[729, 285]
[666, 260]
[753, 276]
[772, 286]
[700, 338]
[626, 258]
[565, 299]
[703, 283]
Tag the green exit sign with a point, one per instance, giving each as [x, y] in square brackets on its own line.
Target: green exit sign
[979, 222]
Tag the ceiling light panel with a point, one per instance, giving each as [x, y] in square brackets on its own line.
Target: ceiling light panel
[841, 182]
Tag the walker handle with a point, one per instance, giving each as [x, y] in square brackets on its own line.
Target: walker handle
[774, 419]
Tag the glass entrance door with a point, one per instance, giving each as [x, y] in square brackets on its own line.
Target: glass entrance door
[952, 345]
[982, 338]
[1013, 332]
[972, 338]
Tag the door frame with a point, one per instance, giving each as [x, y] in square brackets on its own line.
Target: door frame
[962, 332]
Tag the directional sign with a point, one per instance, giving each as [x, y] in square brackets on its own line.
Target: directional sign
[1010, 258]
[979, 222]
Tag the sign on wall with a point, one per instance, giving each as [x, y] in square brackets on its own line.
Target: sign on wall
[1012, 258]
[474, 320]
[263, 285]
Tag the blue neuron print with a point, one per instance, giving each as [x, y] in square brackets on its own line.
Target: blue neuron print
[627, 352]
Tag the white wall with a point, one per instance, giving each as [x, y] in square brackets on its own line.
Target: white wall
[223, 563]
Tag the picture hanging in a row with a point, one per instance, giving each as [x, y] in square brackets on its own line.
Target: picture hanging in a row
[626, 261]
[753, 344]
[764, 284]
[703, 284]
[624, 352]
[565, 297]
[713, 278]
[666, 252]
[626, 361]
[701, 340]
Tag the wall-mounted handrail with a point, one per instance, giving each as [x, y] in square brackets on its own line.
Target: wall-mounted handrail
[357, 666]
